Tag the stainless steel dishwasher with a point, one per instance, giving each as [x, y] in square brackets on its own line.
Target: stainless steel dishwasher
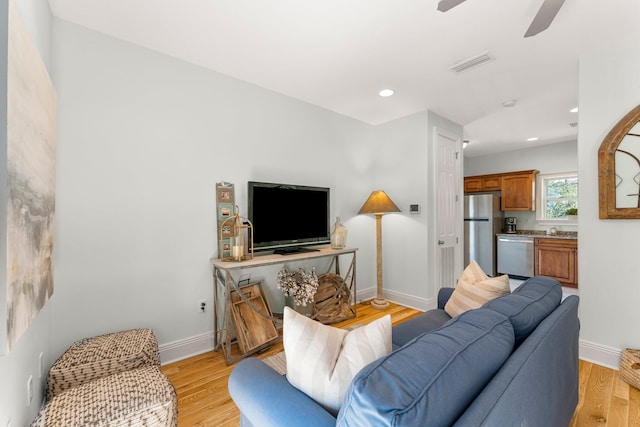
[515, 256]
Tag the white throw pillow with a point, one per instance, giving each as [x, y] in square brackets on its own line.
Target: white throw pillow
[474, 289]
[322, 360]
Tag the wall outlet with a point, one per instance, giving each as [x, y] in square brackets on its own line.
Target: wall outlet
[202, 305]
[41, 365]
[29, 390]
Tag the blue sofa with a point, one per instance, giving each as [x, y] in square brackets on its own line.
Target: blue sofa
[512, 362]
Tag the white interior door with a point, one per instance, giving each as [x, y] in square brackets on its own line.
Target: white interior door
[448, 211]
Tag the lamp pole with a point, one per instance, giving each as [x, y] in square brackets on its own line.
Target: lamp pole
[379, 302]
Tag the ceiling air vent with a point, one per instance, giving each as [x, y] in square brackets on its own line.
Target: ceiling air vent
[474, 62]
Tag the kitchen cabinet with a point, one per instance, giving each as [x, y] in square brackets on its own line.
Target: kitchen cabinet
[518, 188]
[558, 259]
[474, 184]
[518, 191]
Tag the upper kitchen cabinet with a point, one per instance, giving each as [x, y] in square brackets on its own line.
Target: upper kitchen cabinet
[518, 188]
[474, 184]
[519, 191]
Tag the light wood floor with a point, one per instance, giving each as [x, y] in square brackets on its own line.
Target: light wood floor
[203, 400]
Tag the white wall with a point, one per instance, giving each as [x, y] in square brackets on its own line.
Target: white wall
[608, 249]
[23, 360]
[550, 158]
[143, 138]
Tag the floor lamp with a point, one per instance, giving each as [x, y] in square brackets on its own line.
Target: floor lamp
[378, 204]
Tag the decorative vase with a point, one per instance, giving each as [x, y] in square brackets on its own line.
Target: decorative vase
[338, 235]
[305, 310]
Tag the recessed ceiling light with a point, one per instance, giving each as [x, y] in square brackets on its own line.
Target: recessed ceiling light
[465, 143]
[509, 104]
[385, 92]
[574, 110]
[535, 138]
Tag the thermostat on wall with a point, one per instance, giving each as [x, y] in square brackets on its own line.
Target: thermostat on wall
[414, 209]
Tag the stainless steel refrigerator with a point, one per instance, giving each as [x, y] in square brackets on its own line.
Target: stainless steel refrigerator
[482, 221]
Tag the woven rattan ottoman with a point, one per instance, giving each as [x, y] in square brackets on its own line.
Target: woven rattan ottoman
[139, 397]
[97, 357]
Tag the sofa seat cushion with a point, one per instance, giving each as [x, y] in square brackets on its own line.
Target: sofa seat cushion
[322, 360]
[423, 323]
[528, 304]
[433, 378]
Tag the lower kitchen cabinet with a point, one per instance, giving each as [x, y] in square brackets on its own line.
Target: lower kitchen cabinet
[558, 259]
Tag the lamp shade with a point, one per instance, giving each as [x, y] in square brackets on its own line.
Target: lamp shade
[378, 203]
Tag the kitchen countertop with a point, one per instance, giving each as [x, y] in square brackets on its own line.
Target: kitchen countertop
[569, 235]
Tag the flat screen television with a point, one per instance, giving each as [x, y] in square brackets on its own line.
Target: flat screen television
[288, 217]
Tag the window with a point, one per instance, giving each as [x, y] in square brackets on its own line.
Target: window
[558, 192]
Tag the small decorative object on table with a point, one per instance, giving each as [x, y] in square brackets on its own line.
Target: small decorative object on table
[300, 286]
[239, 234]
[338, 235]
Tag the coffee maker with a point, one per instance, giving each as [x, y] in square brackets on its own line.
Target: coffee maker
[510, 224]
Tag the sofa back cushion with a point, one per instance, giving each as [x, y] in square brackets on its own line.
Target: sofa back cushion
[421, 324]
[528, 304]
[433, 378]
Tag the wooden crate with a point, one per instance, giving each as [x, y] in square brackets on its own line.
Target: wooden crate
[252, 329]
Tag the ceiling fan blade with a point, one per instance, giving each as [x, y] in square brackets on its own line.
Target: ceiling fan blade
[445, 5]
[544, 17]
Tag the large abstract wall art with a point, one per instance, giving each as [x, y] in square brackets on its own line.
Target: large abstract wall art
[30, 181]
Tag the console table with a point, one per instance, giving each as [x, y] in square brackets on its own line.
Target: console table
[224, 283]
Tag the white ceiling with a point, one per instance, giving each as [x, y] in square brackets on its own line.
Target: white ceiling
[337, 54]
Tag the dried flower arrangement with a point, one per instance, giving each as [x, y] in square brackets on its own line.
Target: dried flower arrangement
[300, 285]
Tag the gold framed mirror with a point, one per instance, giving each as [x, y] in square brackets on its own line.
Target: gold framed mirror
[619, 169]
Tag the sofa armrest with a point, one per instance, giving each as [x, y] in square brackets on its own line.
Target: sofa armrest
[266, 398]
[443, 296]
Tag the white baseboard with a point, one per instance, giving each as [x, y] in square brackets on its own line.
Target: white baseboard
[181, 349]
[422, 304]
[365, 294]
[198, 344]
[600, 354]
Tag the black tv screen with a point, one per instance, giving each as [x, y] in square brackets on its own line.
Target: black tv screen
[286, 216]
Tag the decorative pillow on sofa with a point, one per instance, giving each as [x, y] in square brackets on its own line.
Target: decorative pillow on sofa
[322, 360]
[474, 289]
